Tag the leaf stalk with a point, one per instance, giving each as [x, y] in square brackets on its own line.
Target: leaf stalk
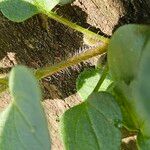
[76, 27]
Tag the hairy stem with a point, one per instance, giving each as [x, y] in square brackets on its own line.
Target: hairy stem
[47, 71]
[41, 73]
[76, 27]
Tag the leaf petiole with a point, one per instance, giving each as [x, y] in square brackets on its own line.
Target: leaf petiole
[102, 78]
[76, 27]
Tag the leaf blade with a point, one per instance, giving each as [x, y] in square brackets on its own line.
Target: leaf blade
[87, 130]
[20, 10]
[124, 51]
[23, 124]
[87, 81]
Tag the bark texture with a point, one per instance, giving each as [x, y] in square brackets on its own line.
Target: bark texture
[39, 42]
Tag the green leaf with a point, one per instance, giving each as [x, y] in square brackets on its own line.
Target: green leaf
[125, 100]
[134, 99]
[143, 142]
[142, 91]
[87, 81]
[22, 123]
[125, 49]
[20, 10]
[93, 125]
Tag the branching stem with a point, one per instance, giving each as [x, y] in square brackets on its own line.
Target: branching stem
[76, 27]
[47, 71]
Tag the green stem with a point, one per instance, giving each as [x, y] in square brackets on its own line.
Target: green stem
[104, 74]
[43, 72]
[47, 71]
[76, 27]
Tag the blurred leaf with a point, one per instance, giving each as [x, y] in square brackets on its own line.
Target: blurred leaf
[142, 91]
[93, 125]
[143, 142]
[125, 50]
[20, 10]
[132, 73]
[22, 123]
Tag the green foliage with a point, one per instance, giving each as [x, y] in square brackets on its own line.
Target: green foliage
[129, 61]
[142, 96]
[22, 123]
[143, 142]
[87, 81]
[142, 86]
[125, 50]
[93, 125]
[20, 10]
[123, 96]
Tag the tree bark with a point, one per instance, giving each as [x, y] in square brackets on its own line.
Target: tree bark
[39, 42]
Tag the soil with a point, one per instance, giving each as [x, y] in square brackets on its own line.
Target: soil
[40, 41]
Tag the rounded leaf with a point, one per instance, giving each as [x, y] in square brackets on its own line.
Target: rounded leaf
[125, 50]
[93, 125]
[23, 124]
[18, 10]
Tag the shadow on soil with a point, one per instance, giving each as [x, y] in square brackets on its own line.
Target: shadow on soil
[39, 42]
